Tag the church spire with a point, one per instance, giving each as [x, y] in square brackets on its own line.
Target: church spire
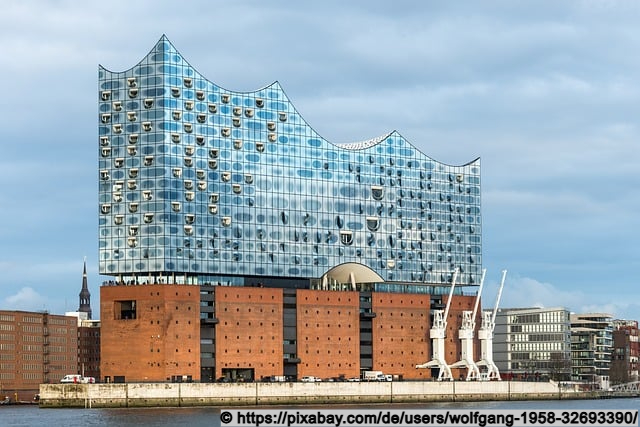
[85, 296]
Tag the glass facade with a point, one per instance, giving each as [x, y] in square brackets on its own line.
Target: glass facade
[591, 345]
[533, 342]
[200, 183]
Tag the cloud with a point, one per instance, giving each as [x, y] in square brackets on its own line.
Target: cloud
[546, 94]
[527, 292]
[26, 299]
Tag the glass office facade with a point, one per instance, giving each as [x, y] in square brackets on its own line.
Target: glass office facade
[202, 184]
[533, 342]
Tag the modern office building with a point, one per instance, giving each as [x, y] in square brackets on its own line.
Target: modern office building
[35, 348]
[533, 343]
[626, 350]
[591, 346]
[234, 193]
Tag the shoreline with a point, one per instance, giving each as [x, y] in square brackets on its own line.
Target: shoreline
[132, 395]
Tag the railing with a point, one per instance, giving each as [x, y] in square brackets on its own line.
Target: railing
[632, 387]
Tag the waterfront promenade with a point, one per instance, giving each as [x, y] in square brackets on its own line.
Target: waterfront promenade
[288, 393]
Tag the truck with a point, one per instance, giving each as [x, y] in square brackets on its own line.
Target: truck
[375, 376]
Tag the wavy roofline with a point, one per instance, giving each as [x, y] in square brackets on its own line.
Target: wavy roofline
[352, 146]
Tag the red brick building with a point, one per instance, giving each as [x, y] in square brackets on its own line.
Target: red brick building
[328, 334]
[150, 333]
[248, 340]
[626, 351]
[89, 348]
[158, 333]
[35, 348]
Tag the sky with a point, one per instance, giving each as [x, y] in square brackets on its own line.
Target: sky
[546, 93]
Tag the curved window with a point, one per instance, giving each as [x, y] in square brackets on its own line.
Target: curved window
[377, 192]
[346, 237]
[373, 223]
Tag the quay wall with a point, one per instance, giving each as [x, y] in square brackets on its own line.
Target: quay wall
[294, 393]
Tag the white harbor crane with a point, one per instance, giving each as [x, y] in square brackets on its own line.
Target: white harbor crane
[437, 334]
[486, 338]
[466, 333]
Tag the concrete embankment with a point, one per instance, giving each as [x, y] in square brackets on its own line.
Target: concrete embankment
[205, 394]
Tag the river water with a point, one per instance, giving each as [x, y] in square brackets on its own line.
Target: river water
[31, 415]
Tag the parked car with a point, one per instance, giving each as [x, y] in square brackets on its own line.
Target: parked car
[310, 379]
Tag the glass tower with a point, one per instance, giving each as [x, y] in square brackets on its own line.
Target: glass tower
[199, 184]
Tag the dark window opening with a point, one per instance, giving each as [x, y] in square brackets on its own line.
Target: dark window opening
[125, 310]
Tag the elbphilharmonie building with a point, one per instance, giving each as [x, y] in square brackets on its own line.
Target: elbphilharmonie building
[205, 185]
[202, 185]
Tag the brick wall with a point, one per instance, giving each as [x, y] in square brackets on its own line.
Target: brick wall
[249, 330]
[328, 333]
[401, 334]
[157, 341]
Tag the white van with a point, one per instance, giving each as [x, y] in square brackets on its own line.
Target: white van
[77, 379]
[71, 379]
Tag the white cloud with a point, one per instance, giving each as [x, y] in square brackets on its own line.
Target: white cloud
[528, 292]
[26, 299]
[545, 94]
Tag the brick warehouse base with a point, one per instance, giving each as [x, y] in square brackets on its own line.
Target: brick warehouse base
[157, 332]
